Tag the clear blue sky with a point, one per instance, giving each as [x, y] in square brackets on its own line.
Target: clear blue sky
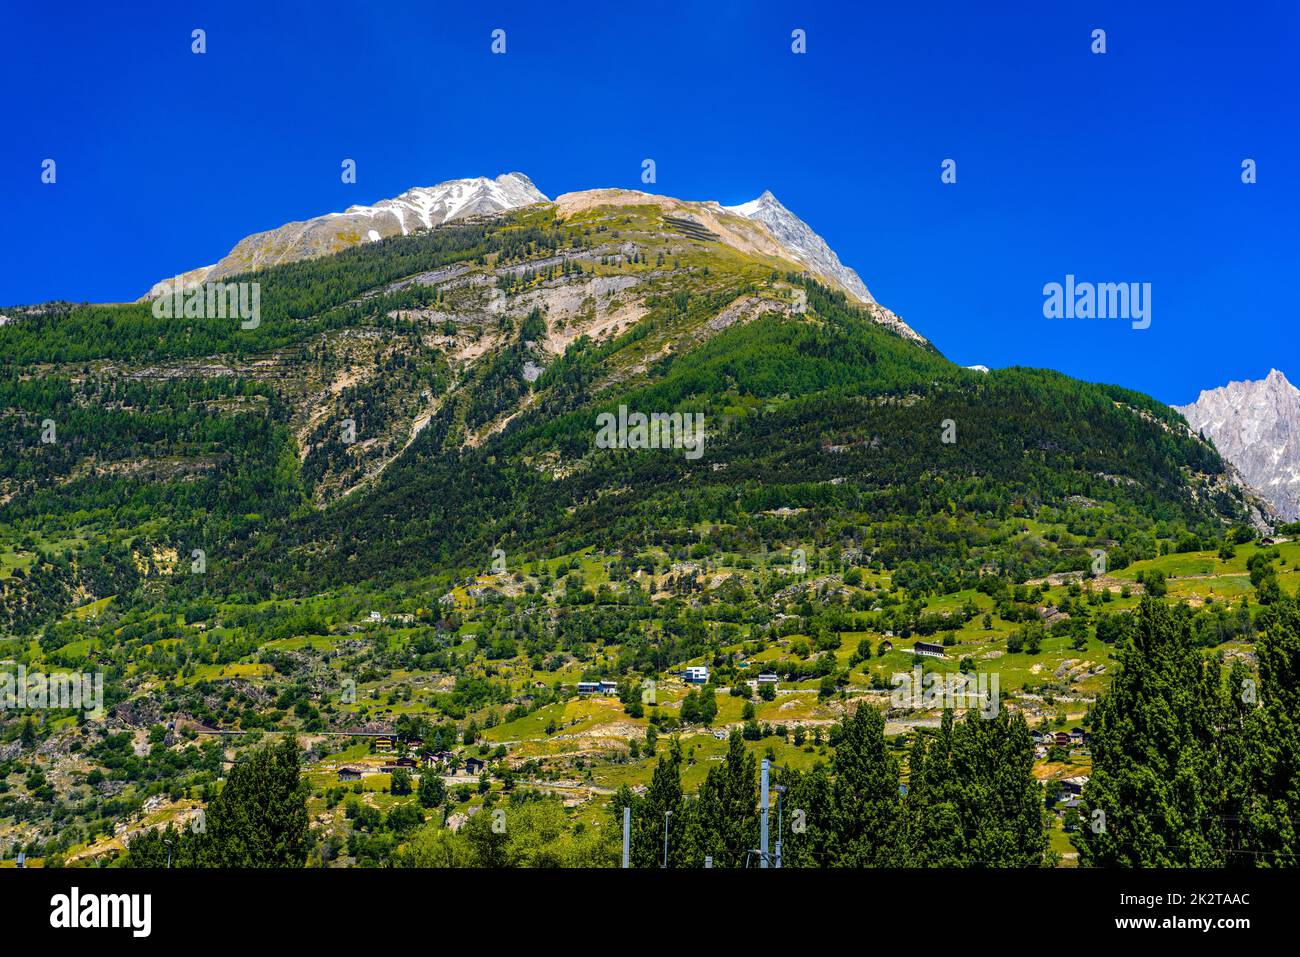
[1121, 167]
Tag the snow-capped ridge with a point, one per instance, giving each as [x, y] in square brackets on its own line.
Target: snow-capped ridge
[421, 207]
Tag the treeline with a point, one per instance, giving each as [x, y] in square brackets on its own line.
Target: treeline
[1194, 765]
[971, 800]
[258, 820]
[1196, 761]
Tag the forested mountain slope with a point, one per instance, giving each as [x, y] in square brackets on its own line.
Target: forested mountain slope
[397, 481]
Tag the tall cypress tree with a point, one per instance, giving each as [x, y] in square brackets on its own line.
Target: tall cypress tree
[865, 801]
[648, 815]
[972, 797]
[808, 819]
[1271, 831]
[260, 817]
[258, 820]
[934, 831]
[1001, 802]
[724, 817]
[1157, 767]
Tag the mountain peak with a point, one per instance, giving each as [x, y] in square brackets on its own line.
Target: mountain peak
[1255, 425]
[420, 207]
[424, 207]
[1277, 379]
[765, 201]
[804, 244]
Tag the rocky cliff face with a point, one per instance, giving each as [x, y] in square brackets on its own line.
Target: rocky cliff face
[1256, 426]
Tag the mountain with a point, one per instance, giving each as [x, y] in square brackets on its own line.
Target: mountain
[442, 344]
[763, 226]
[784, 235]
[448, 476]
[1256, 426]
[809, 248]
[420, 208]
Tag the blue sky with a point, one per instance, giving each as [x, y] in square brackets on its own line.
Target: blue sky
[1122, 167]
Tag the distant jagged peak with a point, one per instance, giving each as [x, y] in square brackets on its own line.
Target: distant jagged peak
[754, 205]
[1275, 382]
[1255, 424]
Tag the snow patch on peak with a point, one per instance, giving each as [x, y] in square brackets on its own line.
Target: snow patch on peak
[748, 210]
[418, 207]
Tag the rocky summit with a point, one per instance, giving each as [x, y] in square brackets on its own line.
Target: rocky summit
[1256, 425]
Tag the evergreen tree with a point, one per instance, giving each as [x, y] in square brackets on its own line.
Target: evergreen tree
[723, 819]
[864, 796]
[432, 790]
[1272, 833]
[1157, 771]
[258, 820]
[260, 817]
[935, 834]
[648, 814]
[972, 797]
[809, 821]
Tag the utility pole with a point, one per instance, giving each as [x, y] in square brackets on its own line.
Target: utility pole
[764, 803]
[667, 815]
[780, 812]
[627, 837]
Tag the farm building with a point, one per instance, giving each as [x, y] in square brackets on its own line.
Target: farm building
[1075, 784]
[440, 759]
